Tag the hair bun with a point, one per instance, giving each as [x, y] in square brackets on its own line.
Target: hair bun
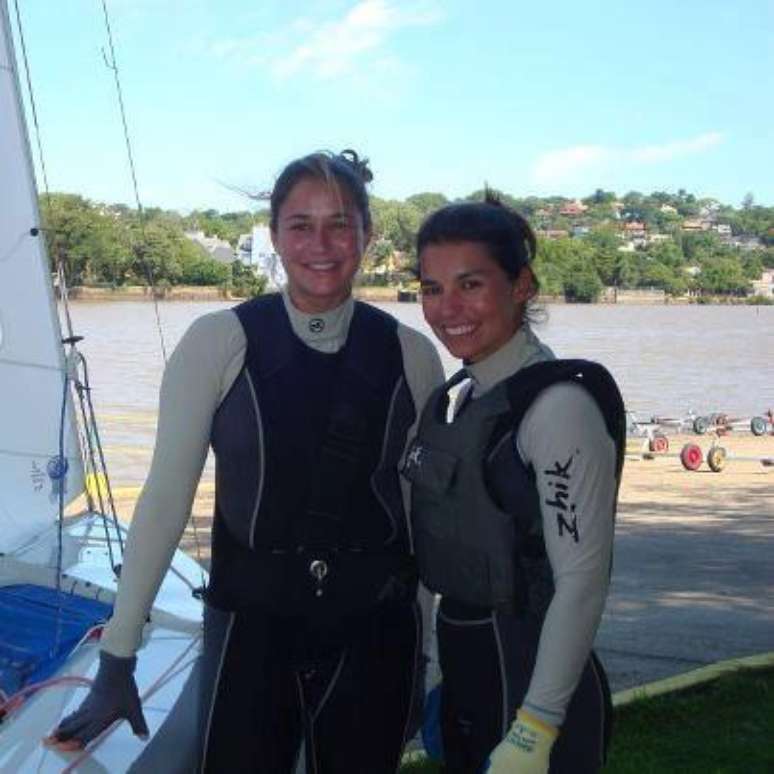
[360, 166]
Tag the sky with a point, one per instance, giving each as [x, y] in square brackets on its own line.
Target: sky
[531, 98]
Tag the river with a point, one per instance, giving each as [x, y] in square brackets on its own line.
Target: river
[666, 359]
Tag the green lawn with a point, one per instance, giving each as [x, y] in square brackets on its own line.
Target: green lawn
[722, 727]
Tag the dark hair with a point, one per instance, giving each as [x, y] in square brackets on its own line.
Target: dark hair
[506, 234]
[349, 170]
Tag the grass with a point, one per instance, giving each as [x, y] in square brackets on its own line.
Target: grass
[722, 727]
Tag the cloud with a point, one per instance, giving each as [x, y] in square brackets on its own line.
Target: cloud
[329, 48]
[672, 150]
[566, 164]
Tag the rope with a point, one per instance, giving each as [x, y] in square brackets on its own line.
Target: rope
[112, 64]
[60, 478]
[96, 464]
[13, 702]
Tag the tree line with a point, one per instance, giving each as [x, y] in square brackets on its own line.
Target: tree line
[111, 244]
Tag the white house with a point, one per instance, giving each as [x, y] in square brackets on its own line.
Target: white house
[219, 249]
[264, 259]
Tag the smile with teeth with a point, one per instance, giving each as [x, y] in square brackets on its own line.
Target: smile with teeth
[321, 266]
[458, 330]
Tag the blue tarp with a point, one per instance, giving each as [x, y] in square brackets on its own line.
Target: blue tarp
[38, 628]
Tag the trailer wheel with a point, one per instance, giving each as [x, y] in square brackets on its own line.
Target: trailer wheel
[758, 426]
[701, 425]
[691, 456]
[659, 443]
[716, 459]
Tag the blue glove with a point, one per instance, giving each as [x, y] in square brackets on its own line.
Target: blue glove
[113, 695]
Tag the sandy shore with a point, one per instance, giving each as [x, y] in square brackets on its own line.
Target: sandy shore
[663, 488]
[692, 579]
[657, 489]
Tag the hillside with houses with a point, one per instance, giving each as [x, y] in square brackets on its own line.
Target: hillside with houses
[655, 247]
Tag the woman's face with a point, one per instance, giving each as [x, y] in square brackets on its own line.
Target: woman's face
[471, 304]
[321, 240]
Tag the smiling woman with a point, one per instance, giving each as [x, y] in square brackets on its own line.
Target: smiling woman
[312, 627]
[513, 504]
[476, 277]
[321, 226]
[321, 237]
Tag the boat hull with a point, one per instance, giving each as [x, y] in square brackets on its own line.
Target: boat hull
[167, 664]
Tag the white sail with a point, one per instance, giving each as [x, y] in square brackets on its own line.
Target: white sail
[32, 364]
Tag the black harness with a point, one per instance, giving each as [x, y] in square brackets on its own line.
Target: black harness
[309, 514]
[477, 520]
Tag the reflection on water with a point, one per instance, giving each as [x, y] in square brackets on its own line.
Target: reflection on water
[666, 359]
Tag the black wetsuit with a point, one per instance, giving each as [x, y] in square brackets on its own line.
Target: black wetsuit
[312, 629]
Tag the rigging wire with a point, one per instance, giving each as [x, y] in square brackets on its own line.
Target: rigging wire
[84, 389]
[96, 458]
[33, 107]
[112, 65]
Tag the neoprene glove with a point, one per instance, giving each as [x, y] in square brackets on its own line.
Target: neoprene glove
[526, 748]
[113, 695]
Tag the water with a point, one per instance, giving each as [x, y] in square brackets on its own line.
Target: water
[666, 359]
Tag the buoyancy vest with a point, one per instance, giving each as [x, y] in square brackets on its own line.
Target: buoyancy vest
[309, 517]
[476, 516]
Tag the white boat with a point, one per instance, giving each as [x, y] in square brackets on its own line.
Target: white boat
[58, 575]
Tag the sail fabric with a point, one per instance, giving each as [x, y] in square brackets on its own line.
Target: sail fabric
[32, 365]
[41, 626]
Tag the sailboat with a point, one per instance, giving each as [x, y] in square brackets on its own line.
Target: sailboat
[59, 569]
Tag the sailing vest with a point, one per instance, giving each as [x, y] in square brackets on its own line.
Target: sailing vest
[477, 523]
[309, 517]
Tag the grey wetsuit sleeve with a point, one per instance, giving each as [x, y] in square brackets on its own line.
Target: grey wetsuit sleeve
[424, 372]
[199, 373]
[563, 436]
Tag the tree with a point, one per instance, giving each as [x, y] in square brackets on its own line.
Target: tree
[600, 197]
[91, 246]
[396, 221]
[699, 245]
[752, 265]
[658, 275]
[549, 276]
[626, 271]
[722, 275]
[605, 241]
[581, 284]
[245, 283]
[667, 253]
[427, 202]
[201, 269]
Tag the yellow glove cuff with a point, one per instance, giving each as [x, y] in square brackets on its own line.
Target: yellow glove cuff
[530, 721]
[526, 748]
